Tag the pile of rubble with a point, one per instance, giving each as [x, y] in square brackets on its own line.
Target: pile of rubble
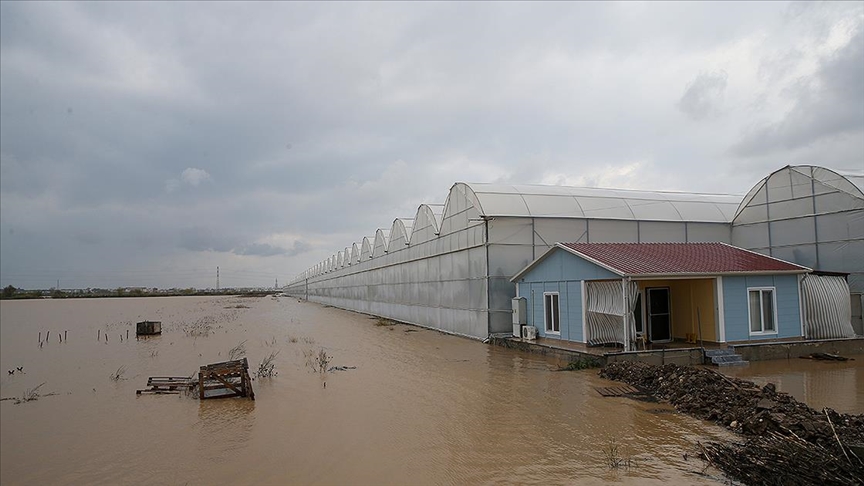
[787, 442]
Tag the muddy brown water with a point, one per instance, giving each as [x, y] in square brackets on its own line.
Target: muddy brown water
[421, 407]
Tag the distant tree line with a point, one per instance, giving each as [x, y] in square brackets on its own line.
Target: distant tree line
[10, 292]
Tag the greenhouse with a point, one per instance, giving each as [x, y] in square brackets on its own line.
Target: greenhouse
[449, 267]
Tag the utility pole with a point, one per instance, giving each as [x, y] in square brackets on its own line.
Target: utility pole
[277, 283]
[217, 279]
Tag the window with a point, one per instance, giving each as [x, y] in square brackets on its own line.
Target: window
[762, 319]
[553, 315]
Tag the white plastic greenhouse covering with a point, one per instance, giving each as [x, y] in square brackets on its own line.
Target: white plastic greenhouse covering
[450, 265]
[594, 203]
[811, 216]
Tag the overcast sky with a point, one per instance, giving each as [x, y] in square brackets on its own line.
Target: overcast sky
[145, 144]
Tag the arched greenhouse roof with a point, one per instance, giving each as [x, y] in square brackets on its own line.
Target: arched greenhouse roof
[792, 182]
[400, 234]
[527, 200]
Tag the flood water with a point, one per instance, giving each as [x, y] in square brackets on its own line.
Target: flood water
[421, 407]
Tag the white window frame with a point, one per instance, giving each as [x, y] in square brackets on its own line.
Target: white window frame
[761, 291]
[556, 318]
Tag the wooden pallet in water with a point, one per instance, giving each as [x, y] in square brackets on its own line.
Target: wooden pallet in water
[617, 391]
[167, 385]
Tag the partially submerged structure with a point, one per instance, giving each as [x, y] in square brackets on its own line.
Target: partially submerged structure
[148, 328]
[217, 380]
[449, 267]
[225, 379]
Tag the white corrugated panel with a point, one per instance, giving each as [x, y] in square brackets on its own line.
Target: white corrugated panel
[605, 312]
[827, 309]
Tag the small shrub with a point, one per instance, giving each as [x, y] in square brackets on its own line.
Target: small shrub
[267, 367]
[381, 322]
[614, 457]
[317, 360]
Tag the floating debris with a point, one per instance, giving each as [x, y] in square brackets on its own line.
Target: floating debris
[168, 385]
[826, 357]
[341, 368]
[226, 379]
[147, 328]
[217, 380]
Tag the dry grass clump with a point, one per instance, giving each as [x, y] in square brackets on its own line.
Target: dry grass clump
[118, 375]
[317, 360]
[267, 367]
[237, 352]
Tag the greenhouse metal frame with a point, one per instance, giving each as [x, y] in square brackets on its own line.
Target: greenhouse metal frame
[449, 267]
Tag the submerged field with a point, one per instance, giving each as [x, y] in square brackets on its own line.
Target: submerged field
[402, 405]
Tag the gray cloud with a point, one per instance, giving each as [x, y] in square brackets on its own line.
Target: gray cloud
[264, 249]
[105, 107]
[828, 104]
[703, 95]
[201, 238]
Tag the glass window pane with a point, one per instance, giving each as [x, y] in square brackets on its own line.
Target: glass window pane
[658, 301]
[548, 308]
[556, 315]
[637, 314]
[767, 310]
[755, 311]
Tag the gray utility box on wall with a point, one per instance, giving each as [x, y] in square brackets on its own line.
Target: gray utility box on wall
[519, 315]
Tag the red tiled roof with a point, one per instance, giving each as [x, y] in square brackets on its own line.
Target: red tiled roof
[680, 258]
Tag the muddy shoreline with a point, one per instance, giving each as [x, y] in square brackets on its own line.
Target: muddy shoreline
[784, 441]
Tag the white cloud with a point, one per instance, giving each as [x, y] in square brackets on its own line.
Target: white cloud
[190, 177]
[193, 176]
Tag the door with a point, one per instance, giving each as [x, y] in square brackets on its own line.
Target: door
[659, 315]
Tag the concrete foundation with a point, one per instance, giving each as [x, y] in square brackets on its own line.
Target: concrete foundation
[687, 356]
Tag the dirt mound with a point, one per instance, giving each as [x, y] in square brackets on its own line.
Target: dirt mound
[787, 441]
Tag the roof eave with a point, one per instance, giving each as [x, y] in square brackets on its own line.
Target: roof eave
[716, 274]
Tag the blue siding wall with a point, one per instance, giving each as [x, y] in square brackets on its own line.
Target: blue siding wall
[560, 272]
[736, 311]
[562, 266]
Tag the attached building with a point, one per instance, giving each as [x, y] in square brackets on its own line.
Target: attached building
[600, 293]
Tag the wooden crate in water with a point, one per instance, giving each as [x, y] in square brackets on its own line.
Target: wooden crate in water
[146, 328]
[226, 379]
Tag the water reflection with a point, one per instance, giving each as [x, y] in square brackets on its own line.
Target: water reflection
[833, 384]
[224, 426]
